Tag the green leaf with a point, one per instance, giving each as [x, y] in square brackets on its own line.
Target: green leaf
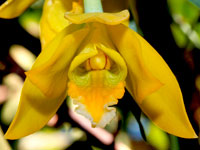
[184, 9]
[179, 36]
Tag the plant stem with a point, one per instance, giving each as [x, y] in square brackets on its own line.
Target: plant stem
[91, 6]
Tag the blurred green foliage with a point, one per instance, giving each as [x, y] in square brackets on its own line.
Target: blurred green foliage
[195, 2]
[185, 28]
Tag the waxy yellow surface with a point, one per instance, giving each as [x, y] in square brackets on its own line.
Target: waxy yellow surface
[148, 78]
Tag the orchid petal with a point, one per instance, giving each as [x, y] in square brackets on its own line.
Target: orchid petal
[34, 111]
[164, 105]
[51, 67]
[141, 81]
[14, 8]
[46, 84]
[53, 21]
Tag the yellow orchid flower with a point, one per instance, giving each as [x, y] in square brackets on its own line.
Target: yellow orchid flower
[92, 57]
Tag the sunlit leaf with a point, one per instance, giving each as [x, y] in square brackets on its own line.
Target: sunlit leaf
[14, 84]
[22, 56]
[51, 138]
[197, 28]
[37, 4]
[174, 142]
[158, 138]
[30, 21]
[3, 143]
[184, 8]
[179, 36]
[123, 141]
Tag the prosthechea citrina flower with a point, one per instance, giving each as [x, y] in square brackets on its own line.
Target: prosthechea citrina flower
[92, 57]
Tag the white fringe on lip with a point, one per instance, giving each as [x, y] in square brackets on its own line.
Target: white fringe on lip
[109, 114]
